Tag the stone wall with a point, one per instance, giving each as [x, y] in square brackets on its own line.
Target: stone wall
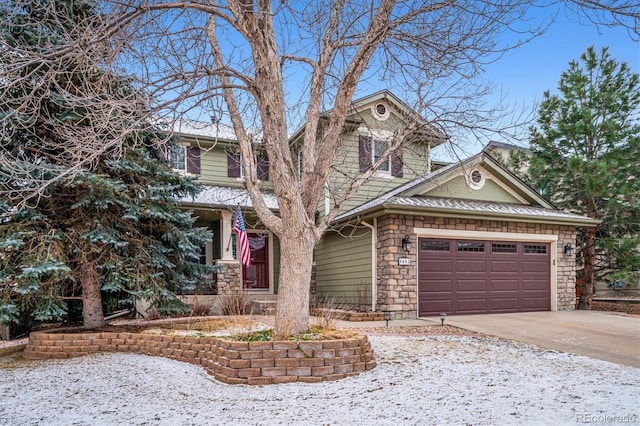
[232, 362]
[397, 285]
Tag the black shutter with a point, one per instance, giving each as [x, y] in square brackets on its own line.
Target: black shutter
[263, 167]
[193, 160]
[364, 153]
[233, 164]
[396, 163]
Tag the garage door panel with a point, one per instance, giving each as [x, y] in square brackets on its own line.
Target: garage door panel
[536, 303]
[509, 284]
[510, 277]
[435, 307]
[533, 284]
[505, 266]
[467, 266]
[471, 305]
[437, 285]
[510, 304]
[463, 285]
[535, 266]
[435, 266]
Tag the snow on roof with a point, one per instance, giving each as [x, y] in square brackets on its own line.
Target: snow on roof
[208, 130]
[475, 206]
[223, 196]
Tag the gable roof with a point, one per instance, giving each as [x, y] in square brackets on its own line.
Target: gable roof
[409, 196]
[358, 105]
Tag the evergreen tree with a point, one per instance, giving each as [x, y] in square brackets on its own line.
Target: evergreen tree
[586, 154]
[114, 226]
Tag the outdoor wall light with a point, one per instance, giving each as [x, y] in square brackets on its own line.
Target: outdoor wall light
[568, 249]
[442, 318]
[406, 243]
[387, 317]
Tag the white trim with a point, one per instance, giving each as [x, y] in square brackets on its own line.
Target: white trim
[498, 236]
[227, 230]
[374, 262]
[376, 114]
[469, 178]
[383, 174]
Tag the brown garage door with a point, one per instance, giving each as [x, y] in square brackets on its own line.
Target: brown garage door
[471, 277]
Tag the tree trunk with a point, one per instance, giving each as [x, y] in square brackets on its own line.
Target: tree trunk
[92, 314]
[589, 256]
[296, 261]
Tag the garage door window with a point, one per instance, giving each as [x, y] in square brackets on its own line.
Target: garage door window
[435, 245]
[504, 248]
[471, 246]
[535, 248]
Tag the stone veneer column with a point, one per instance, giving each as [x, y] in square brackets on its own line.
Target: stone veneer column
[228, 276]
[566, 266]
[397, 285]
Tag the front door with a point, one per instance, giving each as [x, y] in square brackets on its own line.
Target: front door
[256, 276]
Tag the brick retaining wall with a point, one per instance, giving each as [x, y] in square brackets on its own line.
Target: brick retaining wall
[232, 362]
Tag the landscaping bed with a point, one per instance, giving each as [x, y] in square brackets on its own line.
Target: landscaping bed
[630, 307]
[245, 354]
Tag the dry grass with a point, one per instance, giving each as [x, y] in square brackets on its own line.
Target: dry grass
[328, 313]
[237, 303]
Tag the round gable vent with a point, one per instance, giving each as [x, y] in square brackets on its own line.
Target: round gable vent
[380, 111]
[475, 179]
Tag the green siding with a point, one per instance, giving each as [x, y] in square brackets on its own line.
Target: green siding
[213, 167]
[457, 188]
[346, 166]
[343, 267]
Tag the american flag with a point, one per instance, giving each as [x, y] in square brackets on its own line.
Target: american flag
[245, 254]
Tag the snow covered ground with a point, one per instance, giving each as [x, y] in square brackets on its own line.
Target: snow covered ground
[419, 380]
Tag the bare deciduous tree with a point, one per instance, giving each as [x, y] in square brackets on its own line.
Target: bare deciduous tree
[271, 67]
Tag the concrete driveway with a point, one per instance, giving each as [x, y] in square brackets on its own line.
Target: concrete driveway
[602, 335]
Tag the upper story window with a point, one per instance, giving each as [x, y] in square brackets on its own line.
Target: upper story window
[185, 159]
[379, 147]
[178, 157]
[370, 150]
[236, 169]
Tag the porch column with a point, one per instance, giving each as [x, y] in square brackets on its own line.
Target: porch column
[227, 228]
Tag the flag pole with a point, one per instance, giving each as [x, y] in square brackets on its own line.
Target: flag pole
[232, 226]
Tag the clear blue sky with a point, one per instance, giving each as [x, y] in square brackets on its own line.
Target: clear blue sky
[525, 73]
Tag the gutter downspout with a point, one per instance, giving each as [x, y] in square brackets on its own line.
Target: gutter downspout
[374, 263]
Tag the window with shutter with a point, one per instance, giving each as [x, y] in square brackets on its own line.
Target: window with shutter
[233, 165]
[364, 148]
[396, 163]
[193, 160]
[263, 167]
[370, 151]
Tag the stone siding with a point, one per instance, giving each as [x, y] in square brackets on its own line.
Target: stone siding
[397, 285]
[228, 277]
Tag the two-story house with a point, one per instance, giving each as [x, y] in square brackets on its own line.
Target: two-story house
[420, 238]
